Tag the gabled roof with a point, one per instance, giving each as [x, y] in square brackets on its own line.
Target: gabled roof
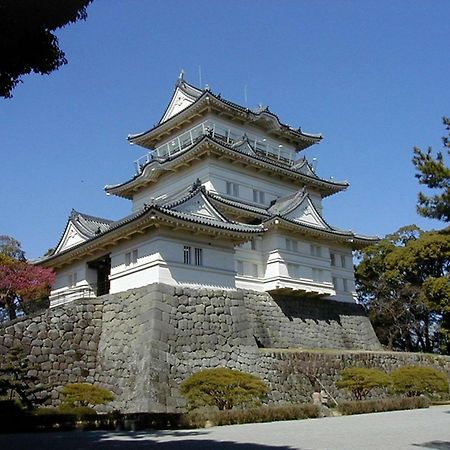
[153, 170]
[193, 211]
[188, 100]
[81, 227]
[183, 96]
[299, 208]
[297, 213]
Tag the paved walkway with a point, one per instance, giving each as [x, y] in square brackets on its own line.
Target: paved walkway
[426, 429]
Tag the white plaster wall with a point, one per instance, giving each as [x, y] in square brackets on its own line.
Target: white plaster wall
[170, 183]
[160, 259]
[214, 175]
[85, 284]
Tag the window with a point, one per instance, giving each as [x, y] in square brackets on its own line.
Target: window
[293, 270]
[72, 279]
[131, 257]
[291, 245]
[187, 254]
[198, 257]
[343, 261]
[232, 189]
[336, 283]
[333, 259]
[316, 250]
[240, 267]
[253, 244]
[317, 274]
[253, 270]
[258, 196]
[346, 287]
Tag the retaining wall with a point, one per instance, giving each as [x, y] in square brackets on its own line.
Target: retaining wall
[142, 343]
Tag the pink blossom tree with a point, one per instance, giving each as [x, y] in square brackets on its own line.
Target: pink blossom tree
[22, 283]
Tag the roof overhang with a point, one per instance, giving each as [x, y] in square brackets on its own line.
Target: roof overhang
[208, 102]
[209, 146]
[151, 218]
[346, 237]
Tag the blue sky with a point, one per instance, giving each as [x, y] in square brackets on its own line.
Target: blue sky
[373, 77]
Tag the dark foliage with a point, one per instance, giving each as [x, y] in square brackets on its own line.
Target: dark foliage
[27, 40]
[403, 283]
[17, 380]
[433, 173]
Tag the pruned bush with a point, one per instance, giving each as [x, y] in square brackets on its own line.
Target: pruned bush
[360, 381]
[417, 380]
[387, 404]
[198, 419]
[224, 388]
[84, 395]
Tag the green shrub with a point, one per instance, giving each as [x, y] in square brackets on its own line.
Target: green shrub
[198, 419]
[360, 381]
[84, 395]
[417, 380]
[224, 388]
[387, 404]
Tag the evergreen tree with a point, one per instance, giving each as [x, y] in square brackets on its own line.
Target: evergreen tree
[17, 379]
[403, 282]
[433, 173]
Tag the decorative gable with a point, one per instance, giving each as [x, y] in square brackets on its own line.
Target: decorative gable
[199, 205]
[183, 97]
[71, 237]
[305, 212]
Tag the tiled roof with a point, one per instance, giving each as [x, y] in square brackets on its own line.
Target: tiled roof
[151, 212]
[254, 115]
[160, 164]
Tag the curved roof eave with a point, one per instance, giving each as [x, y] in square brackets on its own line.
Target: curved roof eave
[149, 214]
[157, 166]
[357, 241]
[207, 96]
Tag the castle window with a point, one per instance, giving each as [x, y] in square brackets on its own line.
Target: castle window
[258, 196]
[187, 254]
[346, 287]
[131, 257]
[336, 283]
[343, 261]
[293, 270]
[333, 259]
[317, 275]
[240, 267]
[253, 270]
[232, 189]
[316, 250]
[198, 254]
[72, 279]
[291, 245]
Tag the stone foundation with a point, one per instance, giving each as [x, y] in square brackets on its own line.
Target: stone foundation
[142, 343]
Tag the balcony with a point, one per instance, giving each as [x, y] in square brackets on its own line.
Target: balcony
[218, 131]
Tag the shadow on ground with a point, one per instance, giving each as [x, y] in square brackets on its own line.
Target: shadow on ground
[437, 445]
[96, 440]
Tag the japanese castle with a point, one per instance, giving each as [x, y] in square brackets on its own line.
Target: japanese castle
[223, 199]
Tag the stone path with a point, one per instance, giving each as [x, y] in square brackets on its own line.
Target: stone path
[418, 429]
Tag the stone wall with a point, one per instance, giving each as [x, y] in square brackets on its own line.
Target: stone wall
[61, 343]
[142, 343]
[283, 322]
